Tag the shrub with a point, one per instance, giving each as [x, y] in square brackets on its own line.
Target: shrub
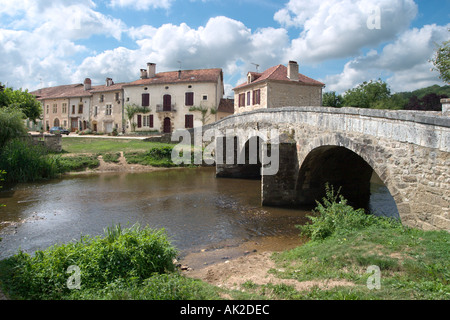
[26, 162]
[335, 216]
[129, 255]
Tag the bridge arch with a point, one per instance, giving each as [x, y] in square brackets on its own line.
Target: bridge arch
[343, 162]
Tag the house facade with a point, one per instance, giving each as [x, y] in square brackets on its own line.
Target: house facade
[64, 106]
[168, 101]
[107, 107]
[174, 100]
[278, 86]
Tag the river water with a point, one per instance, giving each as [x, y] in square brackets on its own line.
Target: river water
[200, 212]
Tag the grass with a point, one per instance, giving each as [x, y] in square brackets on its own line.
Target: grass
[102, 146]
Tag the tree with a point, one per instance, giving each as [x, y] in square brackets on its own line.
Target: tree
[441, 61]
[367, 94]
[331, 99]
[204, 113]
[11, 125]
[134, 109]
[430, 102]
[22, 100]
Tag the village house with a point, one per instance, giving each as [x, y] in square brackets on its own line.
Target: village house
[174, 100]
[107, 112]
[65, 106]
[278, 86]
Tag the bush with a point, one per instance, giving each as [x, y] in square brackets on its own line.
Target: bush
[335, 216]
[157, 157]
[26, 162]
[122, 255]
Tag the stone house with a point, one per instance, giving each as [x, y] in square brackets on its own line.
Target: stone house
[65, 106]
[278, 86]
[174, 98]
[107, 111]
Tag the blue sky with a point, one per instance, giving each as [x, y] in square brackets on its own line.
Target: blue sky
[53, 42]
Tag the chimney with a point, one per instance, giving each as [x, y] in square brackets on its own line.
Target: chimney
[151, 70]
[143, 74]
[87, 84]
[292, 71]
[179, 74]
[109, 82]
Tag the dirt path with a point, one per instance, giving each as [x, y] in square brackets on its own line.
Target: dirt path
[254, 266]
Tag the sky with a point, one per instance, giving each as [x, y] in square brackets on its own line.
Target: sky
[341, 43]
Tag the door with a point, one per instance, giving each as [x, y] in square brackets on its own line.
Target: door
[167, 102]
[74, 124]
[167, 125]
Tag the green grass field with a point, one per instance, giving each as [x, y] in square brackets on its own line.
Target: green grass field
[101, 145]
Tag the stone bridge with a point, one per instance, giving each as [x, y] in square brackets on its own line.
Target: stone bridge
[347, 147]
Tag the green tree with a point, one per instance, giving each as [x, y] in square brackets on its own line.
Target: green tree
[367, 94]
[11, 125]
[441, 61]
[331, 99]
[22, 100]
[134, 109]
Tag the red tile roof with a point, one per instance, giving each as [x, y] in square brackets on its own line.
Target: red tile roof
[226, 105]
[64, 91]
[201, 75]
[279, 73]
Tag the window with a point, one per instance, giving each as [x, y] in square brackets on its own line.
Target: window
[242, 100]
[145, 99]
[55, 108]
[189, 101]
[48, 108]
[102, 98]
[108, 111]
[65, 123]
[147, 121]
[80, 108]
[189, 121]
[95, 111]
[117, 96]
[257, 96]
[248, 98]
[205, 97]
[64, 108]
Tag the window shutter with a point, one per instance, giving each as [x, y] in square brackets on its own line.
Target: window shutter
[139, 121]
[242, 100]
[145, 99]
[189, 101]
[189, 121]
[151, 121]
[248, 98]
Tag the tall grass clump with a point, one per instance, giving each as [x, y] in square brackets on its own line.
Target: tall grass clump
[333, 216]
[157, 157]
[26, 162]
[121, 256]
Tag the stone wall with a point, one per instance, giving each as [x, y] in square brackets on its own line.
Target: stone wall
[51, 142]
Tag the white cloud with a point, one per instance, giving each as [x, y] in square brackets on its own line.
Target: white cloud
[221, 43]
[142, 4]
[404, 63]
[337, 29]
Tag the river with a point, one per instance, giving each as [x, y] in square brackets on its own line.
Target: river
[201, 213]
